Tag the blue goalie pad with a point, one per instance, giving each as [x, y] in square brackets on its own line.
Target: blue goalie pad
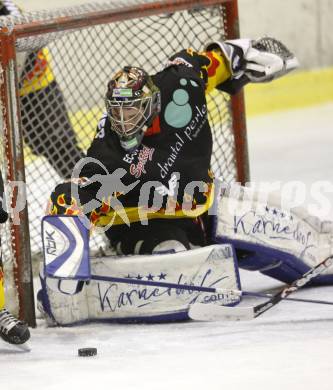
[65, 247]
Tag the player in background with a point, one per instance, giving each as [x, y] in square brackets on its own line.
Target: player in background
[156, 129]
[11, 330]
[46, 126]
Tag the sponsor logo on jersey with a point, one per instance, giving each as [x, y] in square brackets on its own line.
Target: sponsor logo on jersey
[143, 156]
[175, 150]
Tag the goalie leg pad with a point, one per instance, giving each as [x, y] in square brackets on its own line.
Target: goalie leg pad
[212, 266]
[43, 303]
[274, 263]
[280, 242]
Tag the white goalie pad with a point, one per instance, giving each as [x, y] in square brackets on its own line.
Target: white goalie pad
[265, 223]
[213, 266]
[65, 247]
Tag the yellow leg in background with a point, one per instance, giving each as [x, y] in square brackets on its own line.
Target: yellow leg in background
[2, 290]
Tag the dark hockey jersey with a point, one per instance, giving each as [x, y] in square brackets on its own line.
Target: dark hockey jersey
[168, 176]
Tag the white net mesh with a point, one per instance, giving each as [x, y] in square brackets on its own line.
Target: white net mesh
[60, 112]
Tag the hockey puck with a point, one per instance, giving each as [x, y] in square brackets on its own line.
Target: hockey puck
[87, 351]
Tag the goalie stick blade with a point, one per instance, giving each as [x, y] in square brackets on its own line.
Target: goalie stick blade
[209, 312]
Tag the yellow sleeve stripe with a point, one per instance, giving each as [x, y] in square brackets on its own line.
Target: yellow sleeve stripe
[40, 76]
[137, 214]
[218, 70]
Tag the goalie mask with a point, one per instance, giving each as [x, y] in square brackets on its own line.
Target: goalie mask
[132, 102]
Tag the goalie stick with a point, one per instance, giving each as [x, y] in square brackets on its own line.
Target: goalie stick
[208, 312]
[192, 287]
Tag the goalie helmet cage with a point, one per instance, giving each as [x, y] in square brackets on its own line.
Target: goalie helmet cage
[81, 47]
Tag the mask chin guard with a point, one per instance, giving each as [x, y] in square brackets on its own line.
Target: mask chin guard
[130, 145]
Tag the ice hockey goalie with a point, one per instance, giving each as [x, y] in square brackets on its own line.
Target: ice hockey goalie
[147, 182]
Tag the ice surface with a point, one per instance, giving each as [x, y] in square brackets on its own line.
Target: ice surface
[289, 347]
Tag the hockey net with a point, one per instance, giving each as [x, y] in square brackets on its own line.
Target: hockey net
[80, 47]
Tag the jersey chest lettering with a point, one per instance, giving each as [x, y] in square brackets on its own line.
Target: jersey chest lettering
[175, 150]
[138, 160]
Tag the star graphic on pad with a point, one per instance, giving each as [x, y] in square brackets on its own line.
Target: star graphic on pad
[150, 277]
[139, 277]
[162, 276]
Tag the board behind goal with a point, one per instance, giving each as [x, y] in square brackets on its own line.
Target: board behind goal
[82, 46]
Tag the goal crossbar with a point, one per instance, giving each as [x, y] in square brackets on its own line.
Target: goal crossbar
[109, 16]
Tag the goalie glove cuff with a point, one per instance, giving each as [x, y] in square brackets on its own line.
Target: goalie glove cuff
[234, 52]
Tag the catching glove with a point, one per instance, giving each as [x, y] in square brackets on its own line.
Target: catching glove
[260, 60]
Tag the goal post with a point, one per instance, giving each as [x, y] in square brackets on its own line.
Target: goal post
[54, 66]
[17, 239]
